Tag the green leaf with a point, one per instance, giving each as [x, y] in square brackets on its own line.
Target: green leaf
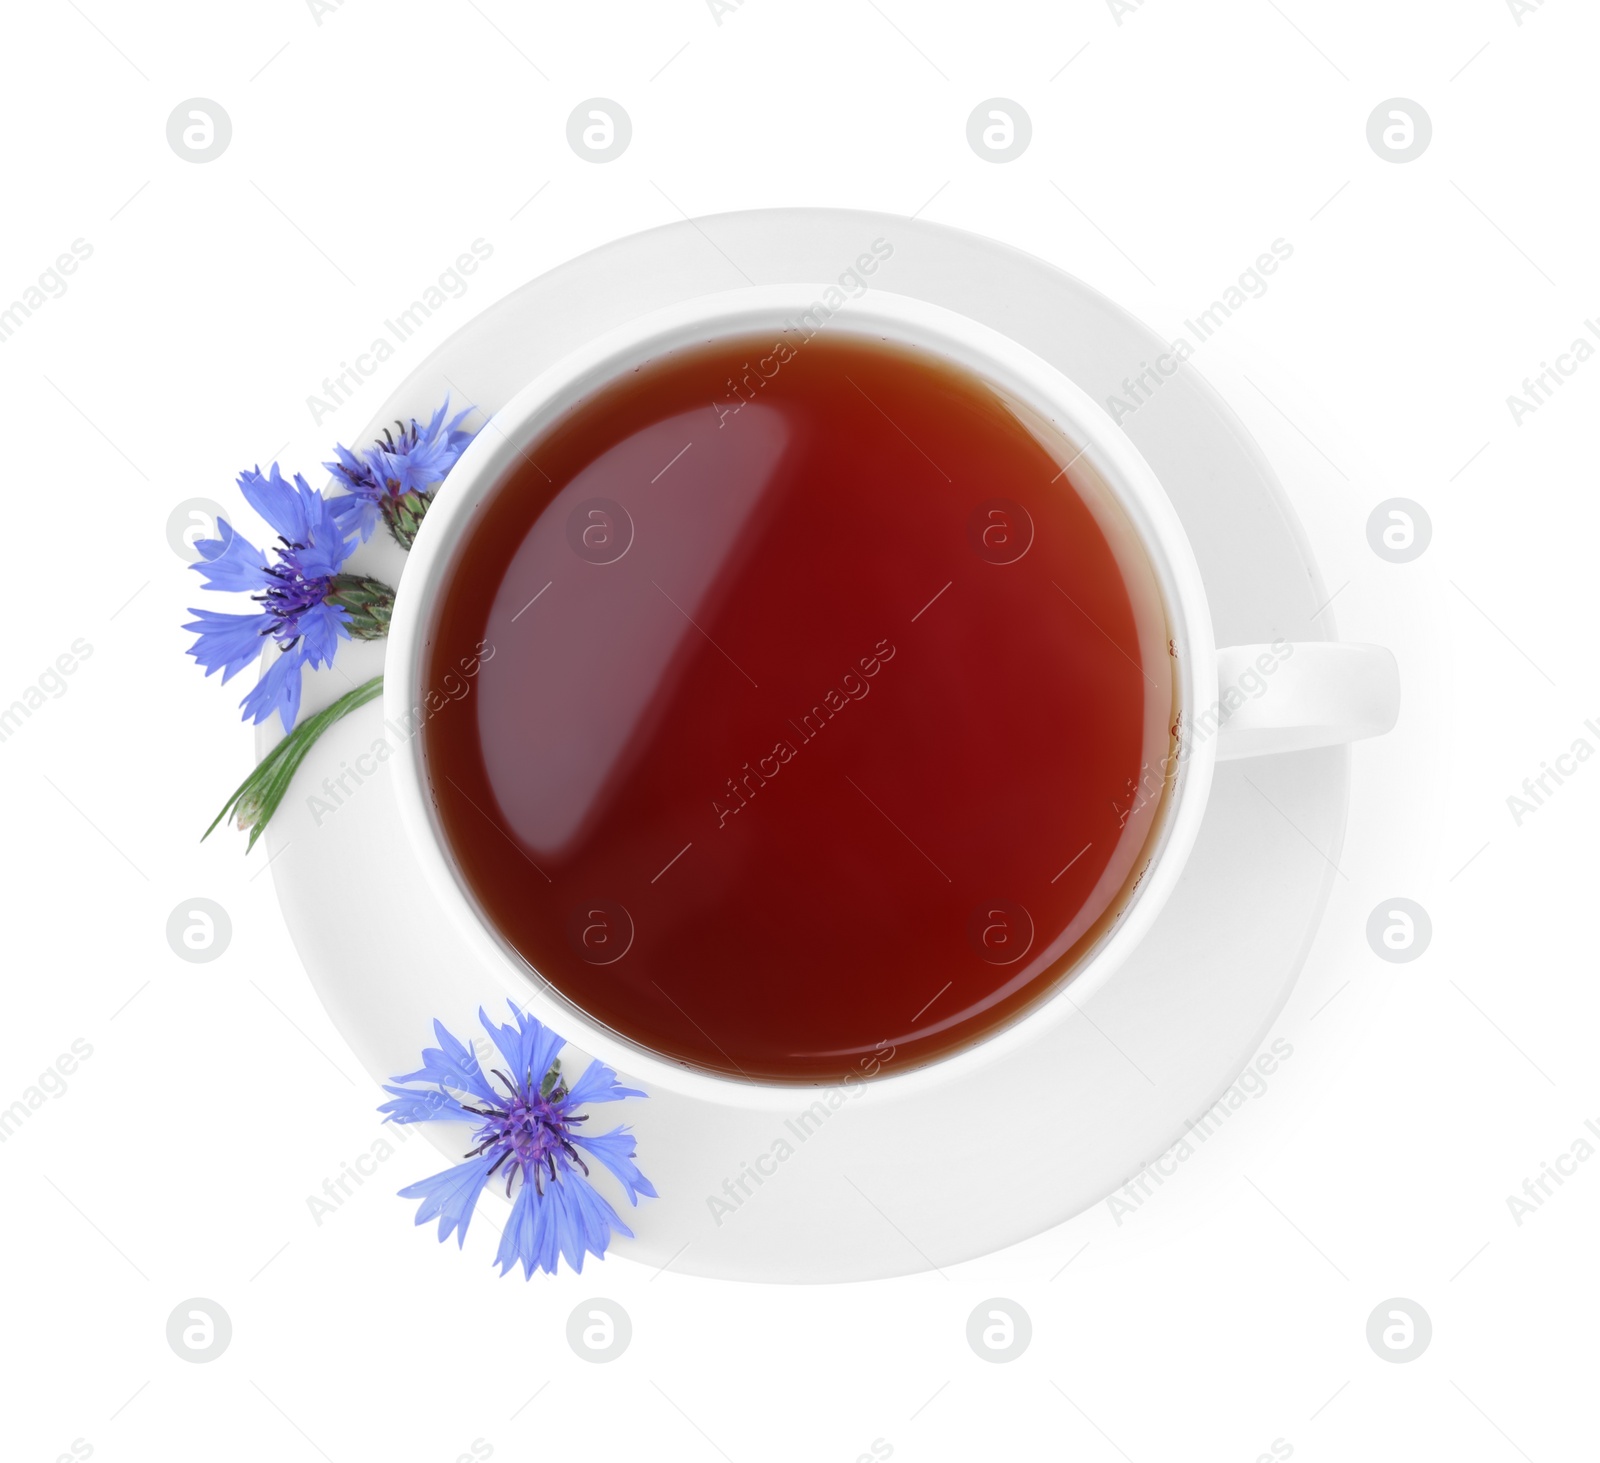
[256, 799]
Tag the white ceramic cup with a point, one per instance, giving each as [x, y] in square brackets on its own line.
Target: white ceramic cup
[1321, 693]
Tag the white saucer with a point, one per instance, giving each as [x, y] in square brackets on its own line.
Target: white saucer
[878, 1186]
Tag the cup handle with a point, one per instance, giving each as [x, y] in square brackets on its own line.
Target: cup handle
[1290, 697]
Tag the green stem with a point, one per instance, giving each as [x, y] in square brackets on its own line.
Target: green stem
[256, 799]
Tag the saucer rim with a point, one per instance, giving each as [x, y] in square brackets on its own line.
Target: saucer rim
[1038, 1202]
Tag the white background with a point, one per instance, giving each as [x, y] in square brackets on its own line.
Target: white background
[368, 151]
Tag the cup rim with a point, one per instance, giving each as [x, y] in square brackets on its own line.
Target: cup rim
[876, 314]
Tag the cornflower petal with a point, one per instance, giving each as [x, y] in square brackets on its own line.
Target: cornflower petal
[452, 1064]
[352, 471]
[450, 1197]
[616, 1150]
[525, 1239]
[277, 502]
[231, 563]
[426, 1106]
[566, 1225]
[599, 1084]
[587, 1221]
[356, 515]
[227, 642]
[529, 1046]
[277, 690]
[321, 628]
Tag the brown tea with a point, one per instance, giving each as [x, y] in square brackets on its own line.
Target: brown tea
[820, 709]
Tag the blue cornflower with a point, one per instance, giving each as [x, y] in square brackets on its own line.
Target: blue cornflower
[529, 1127]
[393, 479]
[307, 603]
